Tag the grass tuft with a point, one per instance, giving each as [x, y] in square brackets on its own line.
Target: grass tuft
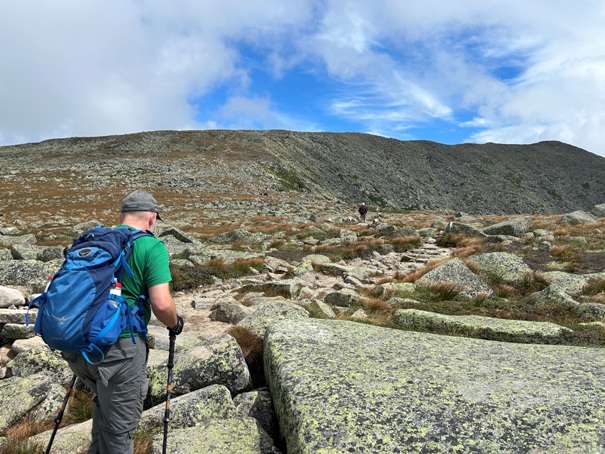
[417, 274]
[80, 407]
[142, 441]
[594, 287]
[252, 348]
[18, 437]
[406, 243]
[443, 291]
[190, 277]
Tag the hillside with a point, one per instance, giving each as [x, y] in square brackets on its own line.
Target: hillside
[264, 172]
[473, 333]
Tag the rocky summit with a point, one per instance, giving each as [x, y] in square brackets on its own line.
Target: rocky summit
[461, 328]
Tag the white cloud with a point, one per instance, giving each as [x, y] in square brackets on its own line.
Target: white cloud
[117, 66]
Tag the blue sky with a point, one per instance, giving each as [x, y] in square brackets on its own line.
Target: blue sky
[467, 71]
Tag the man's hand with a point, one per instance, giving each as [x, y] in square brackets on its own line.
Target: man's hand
[178, 329]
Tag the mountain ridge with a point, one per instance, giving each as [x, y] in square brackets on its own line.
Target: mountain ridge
[543, 178]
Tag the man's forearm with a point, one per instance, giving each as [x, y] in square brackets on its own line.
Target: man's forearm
[163, 305]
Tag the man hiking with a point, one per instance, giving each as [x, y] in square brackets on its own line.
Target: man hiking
[363, 210]
[119, 382]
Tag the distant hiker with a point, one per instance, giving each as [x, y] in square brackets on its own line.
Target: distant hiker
[119, 382]
[363, 210]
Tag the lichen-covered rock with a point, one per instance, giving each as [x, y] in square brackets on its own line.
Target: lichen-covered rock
[502, 265]
[489, 327]
[348, 236]
[277, 265]
[408, 231]
[397, 288]
[553, 294]
[288, 288]
[41, 360]
[456, 272]
[180, 235]
[268, 313]
[218, 360]
[516, 227]
[571, 283]
[10, 240]
[320, 309]
[24, 251]
[50, 253]
[49, 407]
[227, 436]
[464, 229]
[230, 312]
[360, 272]
[591, 311]
[12, 331]
[9, 230]
[258, 405]
[19, 395]
[31, 274]
[578, 217]
[544, 235]
[16, 316]
[391, 391]
[343, 298]
[192, 409]
[68, 440]
[315, 258]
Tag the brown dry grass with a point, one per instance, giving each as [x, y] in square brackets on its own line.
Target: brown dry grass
[377, 306]
[417, 274]
[594, 287]
[250, 343]
[443, 291]
[568, 254]
[405, 243]
[18, 434]
[361, 248]
[252, 348]
[142, 442]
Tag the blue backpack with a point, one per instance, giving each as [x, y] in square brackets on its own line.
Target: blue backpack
[77, 312]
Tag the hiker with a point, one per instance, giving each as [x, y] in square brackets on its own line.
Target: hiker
[363, 210]
[119, 382]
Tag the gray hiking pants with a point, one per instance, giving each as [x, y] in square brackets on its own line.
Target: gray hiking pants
[120, 385]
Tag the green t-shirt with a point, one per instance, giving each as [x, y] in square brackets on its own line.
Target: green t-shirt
[149, 262]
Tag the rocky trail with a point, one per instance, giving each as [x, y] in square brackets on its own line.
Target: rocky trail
[196, 306]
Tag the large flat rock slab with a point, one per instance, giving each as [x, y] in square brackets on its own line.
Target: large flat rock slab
[347, 387]
[487, 327]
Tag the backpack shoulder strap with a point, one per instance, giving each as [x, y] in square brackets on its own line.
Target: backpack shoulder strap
[140, 233]
[135, 235]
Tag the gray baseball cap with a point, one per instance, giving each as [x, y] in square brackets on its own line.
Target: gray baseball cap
[140, 200]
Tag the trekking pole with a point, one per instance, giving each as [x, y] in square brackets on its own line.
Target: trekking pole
[168, 389]
[60, 414]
